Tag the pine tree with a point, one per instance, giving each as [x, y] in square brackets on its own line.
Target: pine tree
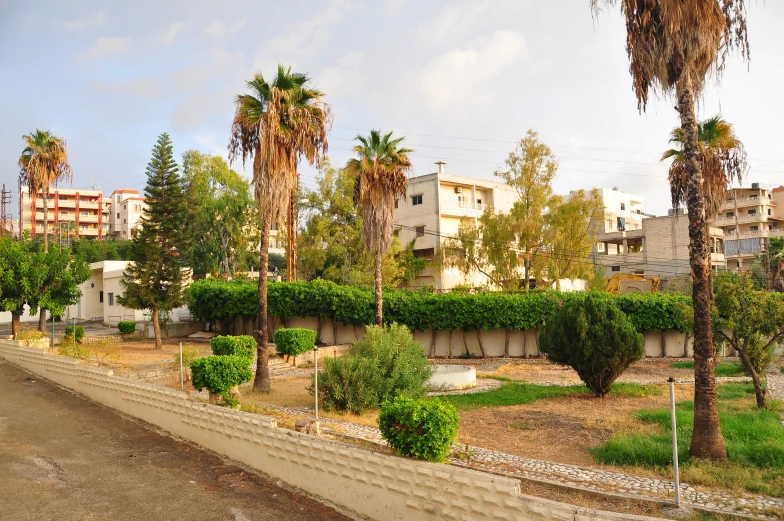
[154, 279]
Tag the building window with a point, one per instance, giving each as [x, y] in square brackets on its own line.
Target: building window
[125, 221]
[753, 212]
[111, 299]
[730, 214]
[100, 297]
[623, 206]
[462, 201]
[416, 199]
[125, 207]
[274, 226]
[63, 212]
[420, 231]
[615, 268]
[754, 228]
[770, 212]
[118, 215]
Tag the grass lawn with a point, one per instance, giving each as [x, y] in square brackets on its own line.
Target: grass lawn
[518, 393]
[723, 369]
[755, 444]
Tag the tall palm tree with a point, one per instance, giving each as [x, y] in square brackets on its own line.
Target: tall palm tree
[672, 45]
[277, 123]
[44, 161]
[722, 160]
[381, 178]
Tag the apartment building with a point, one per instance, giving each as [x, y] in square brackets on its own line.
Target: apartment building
[749, 218]
[659, 247]
[73, 212]
[622, 211]
[126, 207]
[433, 208]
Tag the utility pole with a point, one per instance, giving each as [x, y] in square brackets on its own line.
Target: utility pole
[5, 205]
[291, 253]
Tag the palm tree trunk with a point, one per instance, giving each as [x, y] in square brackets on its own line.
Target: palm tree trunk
[377, 286]
[707, 440]
[16, 323]
[156, 325]
[261, 383]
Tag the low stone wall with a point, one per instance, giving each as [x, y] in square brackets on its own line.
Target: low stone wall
[376, 485]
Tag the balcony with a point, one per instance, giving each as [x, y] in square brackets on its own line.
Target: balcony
[462, 209]
[88, 204]
[743, 202]
[90, 218]
[729, 221]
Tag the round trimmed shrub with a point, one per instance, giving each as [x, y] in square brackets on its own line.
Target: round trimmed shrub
[593, 336]
[294, 341]
[243, 345]
[423, 429]
[219, 374]
[127, 327]
[77, 332]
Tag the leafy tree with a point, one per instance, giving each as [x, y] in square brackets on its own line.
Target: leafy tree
[768, 265]
[530, 170]
[20, 276]
[44, 161]
[220, 207]
[277, 123]
[107, 249]
[752, 322]
[276, 262]
[594, 337]
[672, 48]
[380, 172]
[154, 278]
[570, 235]
[58, 287]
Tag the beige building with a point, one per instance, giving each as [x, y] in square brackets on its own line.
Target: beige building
[99, 296]
[659, 247]
[622, 211]
[73, 212]
[433, 208]
[125, 212]
[749, 218]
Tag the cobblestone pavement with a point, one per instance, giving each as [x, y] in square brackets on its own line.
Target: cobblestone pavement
[595, 480]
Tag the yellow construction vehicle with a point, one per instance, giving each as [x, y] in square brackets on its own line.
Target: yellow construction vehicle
[623, 283]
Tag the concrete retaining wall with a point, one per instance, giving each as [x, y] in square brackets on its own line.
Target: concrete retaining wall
[379, 486]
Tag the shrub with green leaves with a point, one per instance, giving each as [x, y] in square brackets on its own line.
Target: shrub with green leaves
[77, 332]
[242, 345]
[219, 374]
[387, 363]
[423, 429]
[127, 327]
[593, 336]
[294, 341]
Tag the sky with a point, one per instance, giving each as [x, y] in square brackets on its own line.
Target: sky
[462, 80]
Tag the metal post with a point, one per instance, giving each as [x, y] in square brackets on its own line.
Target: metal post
[315, 378]
[52, 332]
[73, 325]
[674, 444]
[182, 381]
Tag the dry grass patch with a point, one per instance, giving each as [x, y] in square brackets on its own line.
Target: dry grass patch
[289, 392]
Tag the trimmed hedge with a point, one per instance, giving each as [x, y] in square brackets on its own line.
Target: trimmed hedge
[294, 341]
[127, 327]
[78, 334]
[212, 300]
[244, 346]
[423, 429]
[220, 373]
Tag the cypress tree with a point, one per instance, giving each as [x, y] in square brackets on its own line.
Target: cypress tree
[154, 279]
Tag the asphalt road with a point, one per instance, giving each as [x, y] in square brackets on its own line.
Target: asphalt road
[63, 457]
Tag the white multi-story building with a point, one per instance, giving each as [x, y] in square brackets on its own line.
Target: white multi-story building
[125, 213]
[622, 211]
[749, 218]
[434, 206]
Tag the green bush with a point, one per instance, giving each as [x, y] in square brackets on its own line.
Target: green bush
[294, 341]
[387, 363]
[77, 333]
[423, 429]
[212, 300]
[243, 345]
[593, 336]
[220, 373]
[127, 327]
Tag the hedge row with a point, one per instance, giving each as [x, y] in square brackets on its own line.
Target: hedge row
[212, 300]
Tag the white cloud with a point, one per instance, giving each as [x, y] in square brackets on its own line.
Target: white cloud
[106, 46]
[395, 6]
[305, 38]
[470, 77]
[453, 21]
[91, 22]
[220, 29]
[346, 81]
[140, 87]
[172, 32]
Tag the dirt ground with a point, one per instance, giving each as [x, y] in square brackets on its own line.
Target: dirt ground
[132, 353]
[545, 372]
